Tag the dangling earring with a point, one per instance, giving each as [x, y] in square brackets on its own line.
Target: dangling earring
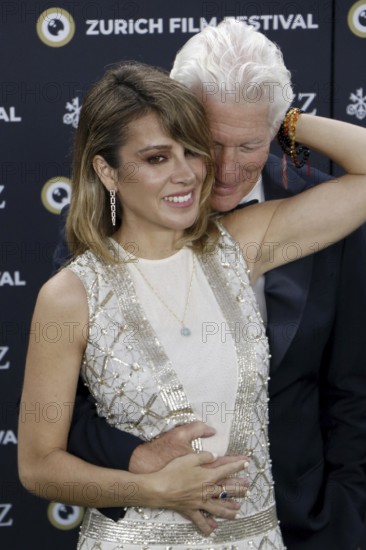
[112, 197]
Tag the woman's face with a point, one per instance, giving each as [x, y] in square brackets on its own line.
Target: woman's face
[160, 182]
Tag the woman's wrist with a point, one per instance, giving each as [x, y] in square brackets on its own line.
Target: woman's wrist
[147, 490]
[288, 138]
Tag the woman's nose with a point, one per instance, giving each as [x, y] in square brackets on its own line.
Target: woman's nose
[183, 172]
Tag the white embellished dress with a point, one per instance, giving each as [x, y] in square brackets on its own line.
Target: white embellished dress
[147, 378]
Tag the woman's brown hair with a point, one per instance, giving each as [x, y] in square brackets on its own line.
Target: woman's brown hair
[124, 94]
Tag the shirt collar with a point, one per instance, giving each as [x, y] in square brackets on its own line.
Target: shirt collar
[256, 193]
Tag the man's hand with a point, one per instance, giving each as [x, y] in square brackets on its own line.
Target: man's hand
[157, 454]
[154, 455]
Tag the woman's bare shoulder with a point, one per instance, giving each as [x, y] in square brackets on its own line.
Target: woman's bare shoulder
[63, 293]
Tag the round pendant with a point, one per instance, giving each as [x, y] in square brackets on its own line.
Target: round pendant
[185, 331]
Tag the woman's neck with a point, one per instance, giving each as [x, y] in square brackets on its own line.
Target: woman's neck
[153, 246]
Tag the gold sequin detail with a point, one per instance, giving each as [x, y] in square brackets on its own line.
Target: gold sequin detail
[138, 390]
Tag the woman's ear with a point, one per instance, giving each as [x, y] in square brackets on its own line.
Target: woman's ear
[105, 173]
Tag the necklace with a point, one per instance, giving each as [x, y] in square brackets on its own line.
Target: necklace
[185, 331]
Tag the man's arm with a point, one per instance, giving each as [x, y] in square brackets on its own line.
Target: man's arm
[96, 441]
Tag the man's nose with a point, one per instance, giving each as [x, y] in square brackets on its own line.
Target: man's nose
[226, 165]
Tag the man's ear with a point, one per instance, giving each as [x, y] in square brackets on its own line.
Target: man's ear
[105, 172]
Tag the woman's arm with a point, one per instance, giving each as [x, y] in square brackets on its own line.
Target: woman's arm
[56, 347]
[288, 229]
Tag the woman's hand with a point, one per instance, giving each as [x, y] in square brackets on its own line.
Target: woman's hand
[189, 487]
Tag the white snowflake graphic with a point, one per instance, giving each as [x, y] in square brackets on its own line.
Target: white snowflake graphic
[72, 117]
[358, 108]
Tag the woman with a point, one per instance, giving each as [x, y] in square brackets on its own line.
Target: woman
[174, 333]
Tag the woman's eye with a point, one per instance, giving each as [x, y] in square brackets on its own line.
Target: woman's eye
[156, 159]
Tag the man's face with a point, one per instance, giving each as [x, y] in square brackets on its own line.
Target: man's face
[242, 139]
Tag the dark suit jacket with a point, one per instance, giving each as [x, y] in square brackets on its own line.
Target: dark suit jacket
[317, 430]
[317, 407]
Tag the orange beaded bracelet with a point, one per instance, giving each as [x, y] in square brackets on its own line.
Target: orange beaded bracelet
[286, 138]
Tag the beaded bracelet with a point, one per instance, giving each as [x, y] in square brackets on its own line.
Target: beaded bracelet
[286, 139]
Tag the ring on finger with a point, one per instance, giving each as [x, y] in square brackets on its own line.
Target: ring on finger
[223, 494]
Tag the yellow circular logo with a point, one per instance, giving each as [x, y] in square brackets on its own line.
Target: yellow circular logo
[64, 516]
[357, 19]
[55, 27]
[56, 193]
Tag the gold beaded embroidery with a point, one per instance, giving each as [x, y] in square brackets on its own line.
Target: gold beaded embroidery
[138, 390]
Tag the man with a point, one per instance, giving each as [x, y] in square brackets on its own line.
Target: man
[313, 308]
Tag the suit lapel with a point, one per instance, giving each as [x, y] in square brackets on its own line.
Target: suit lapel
[286, 287]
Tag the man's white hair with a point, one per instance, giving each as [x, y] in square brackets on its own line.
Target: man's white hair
[234, 62]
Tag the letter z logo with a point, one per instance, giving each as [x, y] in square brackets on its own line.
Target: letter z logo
[4, 511]
[2, 203]
[307, 99]
[3, 351]
[92, 29]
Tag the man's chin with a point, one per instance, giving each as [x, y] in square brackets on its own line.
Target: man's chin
[223, 204]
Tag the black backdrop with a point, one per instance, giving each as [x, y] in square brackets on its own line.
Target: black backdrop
[50, 54]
